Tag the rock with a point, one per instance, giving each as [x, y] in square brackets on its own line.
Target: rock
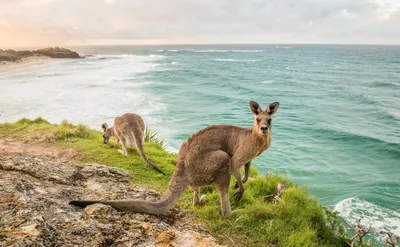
[96, 211]
[30, 230]
[164, 238]
[34, 209]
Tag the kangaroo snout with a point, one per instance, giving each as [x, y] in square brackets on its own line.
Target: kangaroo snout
[264, 128]
[106, 139]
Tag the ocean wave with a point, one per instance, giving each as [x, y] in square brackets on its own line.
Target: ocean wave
[180, 50]
[50, 74]
[395, 113]
[233, 51]
[389, 85]
[130, 56]
[247, 50]
[211, 50]
[354, 138]
[235, 60]
[267, 82]
[170, 50]
[284, 47]
[156, 56]
[378, 217]
[107, 56]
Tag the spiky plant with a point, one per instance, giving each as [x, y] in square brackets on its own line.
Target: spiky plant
[150, 136]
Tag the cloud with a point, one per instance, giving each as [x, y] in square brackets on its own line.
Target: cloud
[207, 21]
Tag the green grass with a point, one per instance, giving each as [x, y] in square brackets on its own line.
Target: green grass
[90, 143]
[296, 221]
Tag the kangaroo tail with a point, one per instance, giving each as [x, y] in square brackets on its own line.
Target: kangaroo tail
[177, 186]
[139, 145]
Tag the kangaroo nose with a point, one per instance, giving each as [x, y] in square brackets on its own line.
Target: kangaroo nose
[264, 128]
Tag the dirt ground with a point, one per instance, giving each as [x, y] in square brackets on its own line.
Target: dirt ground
[13, 146]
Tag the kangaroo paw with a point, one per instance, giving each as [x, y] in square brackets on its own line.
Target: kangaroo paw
[122, 152]
[236, 185]
[238, 195]
[200, 201]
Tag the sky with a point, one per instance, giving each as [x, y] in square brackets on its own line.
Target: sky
[136, 22]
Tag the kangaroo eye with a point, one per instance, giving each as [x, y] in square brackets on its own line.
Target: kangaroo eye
[104, 136]
[258, 119]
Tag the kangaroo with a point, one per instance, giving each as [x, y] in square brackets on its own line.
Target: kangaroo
[129, 129]
[209, 157]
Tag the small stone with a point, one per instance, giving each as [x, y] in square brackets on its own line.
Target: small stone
[164, 238]
[96, 211]
[30, 230]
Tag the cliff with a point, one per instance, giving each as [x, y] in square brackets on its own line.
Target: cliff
[43, 166]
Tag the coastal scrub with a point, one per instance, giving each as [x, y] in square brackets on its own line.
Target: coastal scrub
[295, 220]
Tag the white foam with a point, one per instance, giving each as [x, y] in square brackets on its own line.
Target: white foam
[247, 50]
[378, 217]
[235, 60]
[105, 56]
[394, 113]
[211, 50]
[104, 92]
[217, 50]
[267, 82]
[156, 56]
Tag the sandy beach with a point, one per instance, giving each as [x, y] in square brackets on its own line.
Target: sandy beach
[24, 63]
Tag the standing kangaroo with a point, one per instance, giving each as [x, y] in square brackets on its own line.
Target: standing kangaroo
[129, 129]
[209, 157]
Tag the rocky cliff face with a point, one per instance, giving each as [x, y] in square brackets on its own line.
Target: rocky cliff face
[52, 52]
[34, 210]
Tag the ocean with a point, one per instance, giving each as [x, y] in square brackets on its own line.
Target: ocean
[337, 130]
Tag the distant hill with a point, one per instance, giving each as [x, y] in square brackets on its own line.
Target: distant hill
[52, 52]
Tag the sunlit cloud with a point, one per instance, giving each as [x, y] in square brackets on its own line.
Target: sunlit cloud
[207, 21]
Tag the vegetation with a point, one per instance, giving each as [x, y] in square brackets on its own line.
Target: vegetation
[294, 220]
[56, 52]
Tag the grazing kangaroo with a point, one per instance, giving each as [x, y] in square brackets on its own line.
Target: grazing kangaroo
[209, 157]
[129, 129]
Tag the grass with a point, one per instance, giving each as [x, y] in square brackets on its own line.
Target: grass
[296, 221]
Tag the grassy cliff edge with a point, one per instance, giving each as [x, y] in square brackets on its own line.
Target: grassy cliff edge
[296, 220]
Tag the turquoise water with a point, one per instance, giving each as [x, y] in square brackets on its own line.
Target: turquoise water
[337, 130]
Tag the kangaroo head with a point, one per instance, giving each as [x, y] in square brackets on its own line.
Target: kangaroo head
[107, 133]
[263, 119]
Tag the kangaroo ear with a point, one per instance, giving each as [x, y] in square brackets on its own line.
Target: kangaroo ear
[272, 108]
[104, 126]
[255, 108]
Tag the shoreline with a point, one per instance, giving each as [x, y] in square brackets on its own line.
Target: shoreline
[28, 62]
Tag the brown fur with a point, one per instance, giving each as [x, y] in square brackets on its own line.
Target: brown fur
[209, 157]
[129, 130]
